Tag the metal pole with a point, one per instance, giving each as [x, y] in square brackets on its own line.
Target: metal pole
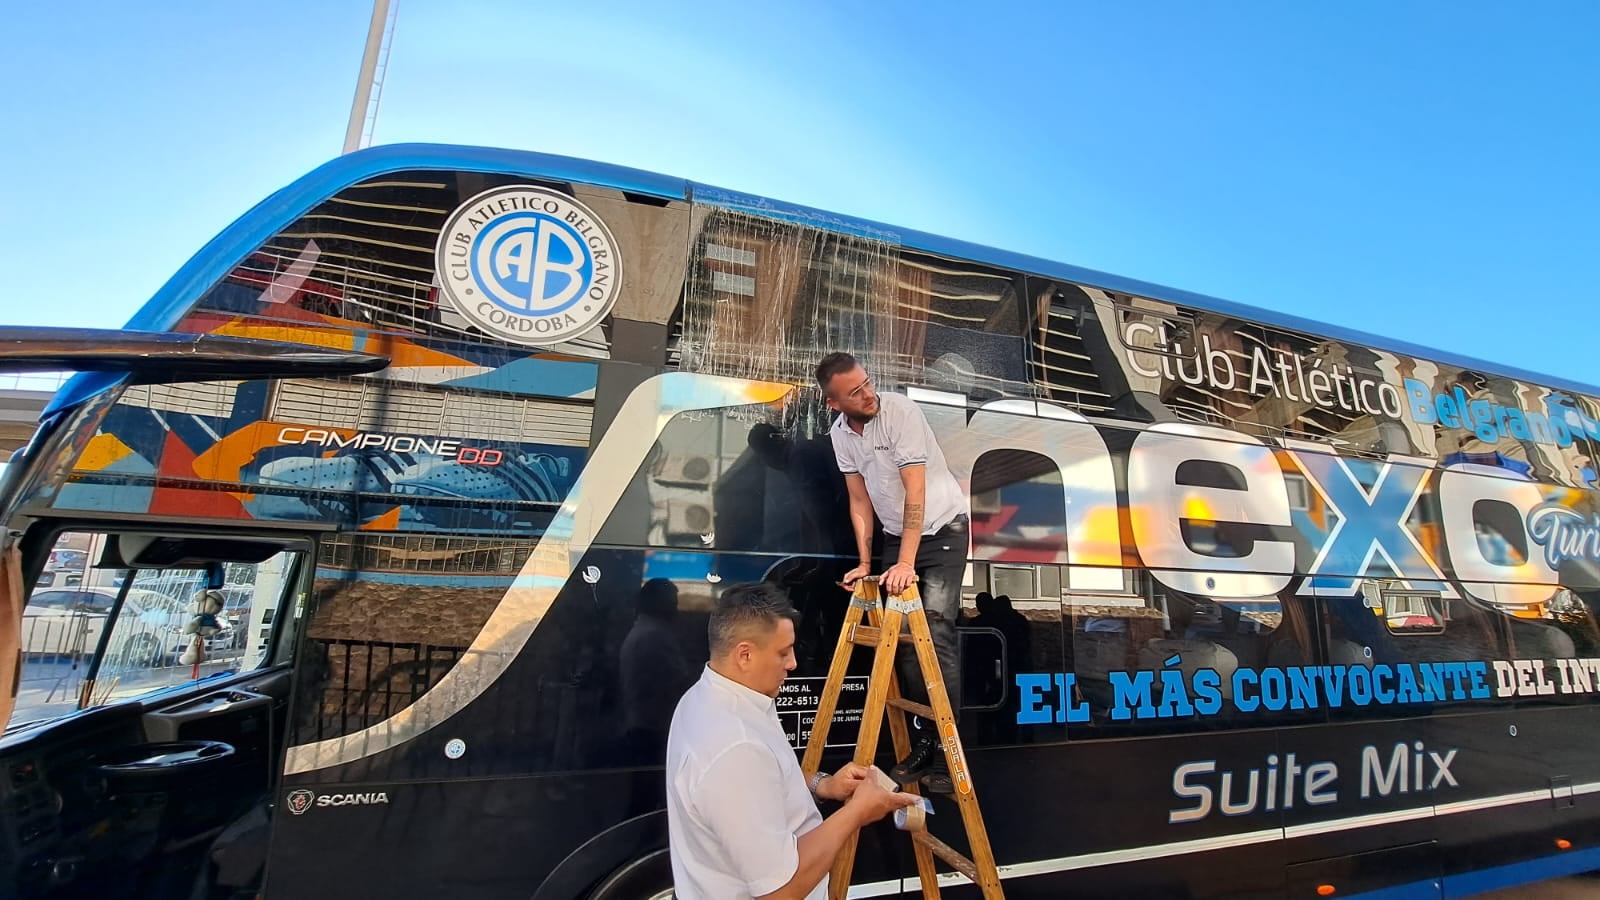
[369, 65]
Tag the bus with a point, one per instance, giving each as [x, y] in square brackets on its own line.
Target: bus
[463, 443]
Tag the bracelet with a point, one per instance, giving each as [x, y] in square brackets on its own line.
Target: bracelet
[816, 782]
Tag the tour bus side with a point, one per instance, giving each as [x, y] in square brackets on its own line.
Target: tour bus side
[481, 649]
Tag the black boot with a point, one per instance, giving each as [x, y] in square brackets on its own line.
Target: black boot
[924, 754]
[937, 779]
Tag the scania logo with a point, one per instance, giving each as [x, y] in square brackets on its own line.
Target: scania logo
[299, 801]
[353, 799]
[529, 265]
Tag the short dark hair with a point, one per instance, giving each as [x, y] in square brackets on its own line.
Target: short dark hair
[834, 364]
[658, 597]
[744, 607]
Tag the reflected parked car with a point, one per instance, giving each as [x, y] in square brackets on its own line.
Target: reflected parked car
[59, 578]
[69, 623]
[65, 623]
[235, 616]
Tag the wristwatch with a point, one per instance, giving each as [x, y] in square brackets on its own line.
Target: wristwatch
[816, 782]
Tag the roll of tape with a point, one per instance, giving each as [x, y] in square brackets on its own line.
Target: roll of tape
[911, 818]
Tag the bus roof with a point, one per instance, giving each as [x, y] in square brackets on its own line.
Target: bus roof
[213, 262]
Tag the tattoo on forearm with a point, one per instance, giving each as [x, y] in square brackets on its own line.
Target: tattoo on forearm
[913, 523]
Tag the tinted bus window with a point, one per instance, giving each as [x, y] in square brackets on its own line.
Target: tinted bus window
[1417, 652]
[1165, 661]
[741, 479]
[798, 292]
[390, 615]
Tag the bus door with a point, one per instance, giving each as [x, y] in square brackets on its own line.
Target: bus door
[150, 710]
[145, 655]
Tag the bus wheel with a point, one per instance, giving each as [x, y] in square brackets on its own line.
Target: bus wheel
[648, 877]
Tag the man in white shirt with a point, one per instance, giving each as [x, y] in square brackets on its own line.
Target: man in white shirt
[741, 820]
[894, 468]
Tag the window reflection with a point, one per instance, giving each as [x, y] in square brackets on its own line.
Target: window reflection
[796, 292]
[1549, 636]
[139, 631]
[391, 616]
[1386, 624]
[1156, 630]
[363, 258]
[1010, 626]
[1017, 509]
[748, 478]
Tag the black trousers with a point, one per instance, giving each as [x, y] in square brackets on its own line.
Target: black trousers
[941, 561]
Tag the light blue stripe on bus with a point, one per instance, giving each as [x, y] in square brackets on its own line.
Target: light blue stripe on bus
[268, 217]
[1468, 884]
[236, 242]
[1416, 890]
[1005, 259]
[1534, 870]
[536, 377]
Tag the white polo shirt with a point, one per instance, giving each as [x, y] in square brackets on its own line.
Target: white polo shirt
[898, 436]
[737, 801]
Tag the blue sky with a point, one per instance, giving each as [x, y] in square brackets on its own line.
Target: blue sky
[1420, 170]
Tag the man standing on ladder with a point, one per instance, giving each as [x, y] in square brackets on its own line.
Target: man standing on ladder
[894, 468]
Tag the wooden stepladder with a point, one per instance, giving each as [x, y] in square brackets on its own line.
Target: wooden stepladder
[881, 631]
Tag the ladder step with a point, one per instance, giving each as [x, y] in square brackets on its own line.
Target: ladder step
[865, 626]
[915, 708]
[868, 636]
[947, 853]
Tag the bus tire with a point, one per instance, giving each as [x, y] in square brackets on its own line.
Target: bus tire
[646, 878]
